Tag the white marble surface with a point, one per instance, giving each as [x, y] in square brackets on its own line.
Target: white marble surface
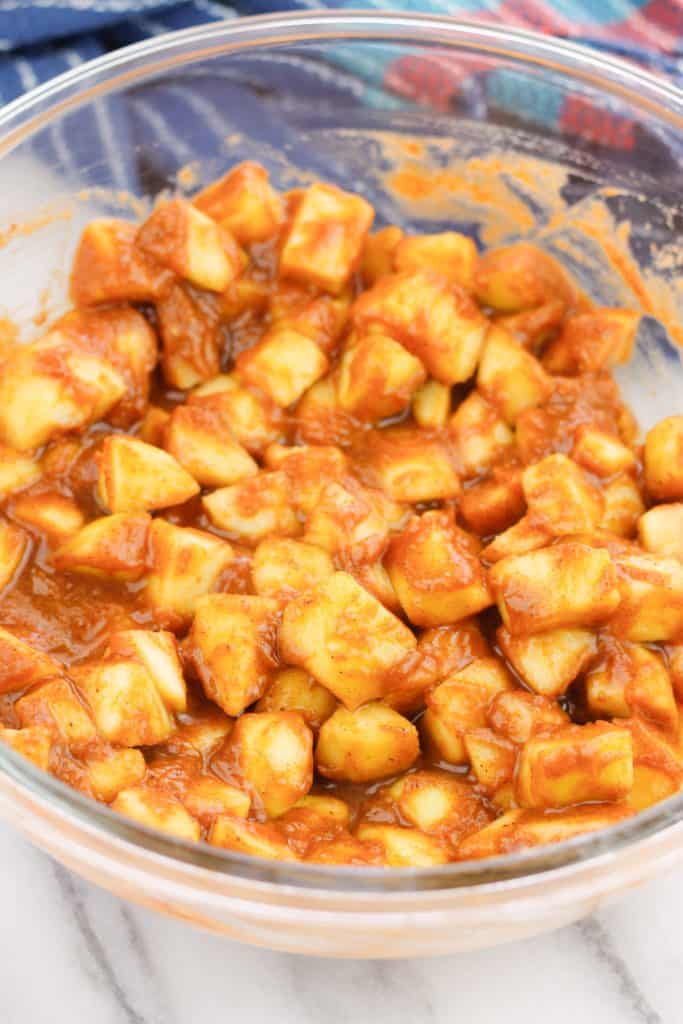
[70, 952]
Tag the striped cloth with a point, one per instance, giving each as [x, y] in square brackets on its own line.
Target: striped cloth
[43, 38]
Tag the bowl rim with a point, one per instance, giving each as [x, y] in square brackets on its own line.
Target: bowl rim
[42, 105]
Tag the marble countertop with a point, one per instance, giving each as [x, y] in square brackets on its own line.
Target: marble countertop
[72, 952]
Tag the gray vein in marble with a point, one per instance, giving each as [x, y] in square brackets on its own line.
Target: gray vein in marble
[598, 938]
[98, 953]
[141, 951]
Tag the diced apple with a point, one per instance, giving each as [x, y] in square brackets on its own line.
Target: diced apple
[110, 546]
[254, 508]
[285, 568]
[366, 744]
[548, 662]
[345, 638]
[158, 653]
[156, 809]
[435, 573]
[325, 241]
[233, 647]
[244, 202]
[511, 378]
[272, 752]
[433, 317]
[185, 564]
[182, 238]
[137, 477]
[565, 586]
[126, 704]
[200, 438]
[109, 267]
[283, 364]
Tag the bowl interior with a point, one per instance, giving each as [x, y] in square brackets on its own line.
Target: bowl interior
[440, 128]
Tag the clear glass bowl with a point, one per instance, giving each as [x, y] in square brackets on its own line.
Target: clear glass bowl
[461, 130]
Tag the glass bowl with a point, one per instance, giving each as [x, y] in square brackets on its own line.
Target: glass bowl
[501, 133]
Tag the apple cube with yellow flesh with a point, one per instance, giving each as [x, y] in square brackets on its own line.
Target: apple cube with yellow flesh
[185, 564]
[437, 801]
[233, 647]
[624, 506]
[601, 453]
[126, 704]
[108, 266]
[192, 245]
[432, 405]
[33, 742]
[201, 440]
[518, 277]
[233, 833]
[283, 364]
[308, 468]
[593, 341]
[325, 240]
[254, 508]
[437, 576]
[628, 679]
[205, 797]
[51, 387]
[22, 665]
[548, 662]
[523, 536]
[565, 586]
[111, 546]
[244, 202]
[348, 515]
[560, 497]
[56, 705]
[254, 420]
[51, 513]
[17, 471]
[345, 638]
[454, 254]
[495, 504]
[576, 765]
[458, 705]
[272, 753]
[657, 764]
[378, 254]
[479, 434]
[430, 315]
[663, 459]
[492, 758]
[651, 609]
[660, 530]
[406, 847]
[156, 809]
[345, 850]
[369, 743]
[292, 689]
[284, 568]
[517, 715]
[109, 771]
[509, 377]
[377, 377]
[203, 733]
[409, 465]
[138, 477]
[517, 830]
[158, 653]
